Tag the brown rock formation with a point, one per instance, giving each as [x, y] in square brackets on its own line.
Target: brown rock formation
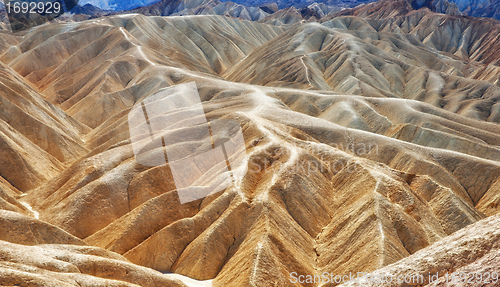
[369, 142]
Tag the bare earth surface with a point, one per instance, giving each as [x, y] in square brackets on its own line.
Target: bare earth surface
[372, 145]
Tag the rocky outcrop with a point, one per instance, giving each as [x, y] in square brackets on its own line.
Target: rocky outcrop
[478, 8]
[35, 253]
[472, 250]
[71, 265]
[9, 198]
[439, 6]
[25, 230]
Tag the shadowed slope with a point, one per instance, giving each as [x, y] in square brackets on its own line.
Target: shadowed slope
[36, 136]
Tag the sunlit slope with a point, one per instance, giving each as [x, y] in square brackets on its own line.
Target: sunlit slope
[397, 148]
[48, 256]
[94, 59]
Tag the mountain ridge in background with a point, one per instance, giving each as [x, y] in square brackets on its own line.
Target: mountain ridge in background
[116, 5]
[371, 134]
[476, 8]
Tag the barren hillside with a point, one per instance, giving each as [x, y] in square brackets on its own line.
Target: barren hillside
[370, 141]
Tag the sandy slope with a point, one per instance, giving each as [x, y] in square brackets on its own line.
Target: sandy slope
[364, 145]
